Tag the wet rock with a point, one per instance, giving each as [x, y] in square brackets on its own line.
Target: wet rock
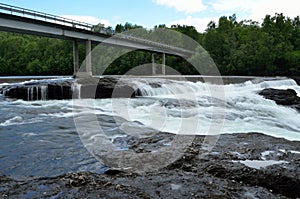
[296, 78]
[107, 87]
[282, 97]
[113, 172]
[76, 179]
[220, 174]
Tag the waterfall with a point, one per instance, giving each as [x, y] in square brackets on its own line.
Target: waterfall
[154, 87]
[245, 110]
[44, 92]
[39, 92]
[169, 105]
[76, 89]
[30, 94]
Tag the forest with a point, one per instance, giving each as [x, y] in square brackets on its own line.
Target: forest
[245, 47]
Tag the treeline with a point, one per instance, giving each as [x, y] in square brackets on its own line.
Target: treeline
[247, 48]
[32, 55]
[237, 47]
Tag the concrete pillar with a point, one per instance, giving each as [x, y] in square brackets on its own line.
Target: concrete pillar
[153, 65]
[163, 67]
[75, 57]
[88, 57]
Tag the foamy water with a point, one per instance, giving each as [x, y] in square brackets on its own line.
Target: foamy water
[180, 107]
[40, 138]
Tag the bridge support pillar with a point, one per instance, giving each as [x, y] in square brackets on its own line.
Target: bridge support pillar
[153, 65]
[75, 57]
[88, 59]
[163, 67]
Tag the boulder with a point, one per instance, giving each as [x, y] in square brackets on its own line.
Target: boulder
[287, 97]
[107, 87]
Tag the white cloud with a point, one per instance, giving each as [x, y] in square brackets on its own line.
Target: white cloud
[258, 9]
[187, 6]
[228, 5]
[199, 23]
[87, 19]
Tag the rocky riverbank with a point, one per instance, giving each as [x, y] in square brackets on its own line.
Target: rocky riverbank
[249, 165]
[106, 87]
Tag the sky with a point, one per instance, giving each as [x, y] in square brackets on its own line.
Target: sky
[149, 13]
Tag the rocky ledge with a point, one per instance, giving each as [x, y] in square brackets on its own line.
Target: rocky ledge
[282, 97]
[249, 165]
[106, 87]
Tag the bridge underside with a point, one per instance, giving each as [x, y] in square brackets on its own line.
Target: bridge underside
[12, 23]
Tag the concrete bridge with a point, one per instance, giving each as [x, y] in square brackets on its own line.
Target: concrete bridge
[25, 21]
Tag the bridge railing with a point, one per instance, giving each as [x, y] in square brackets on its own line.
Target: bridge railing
[18, 11]
[14, 10]
[154, 43]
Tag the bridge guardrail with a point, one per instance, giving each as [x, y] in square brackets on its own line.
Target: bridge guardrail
[157, 44]
[14, 10]
[18, 11]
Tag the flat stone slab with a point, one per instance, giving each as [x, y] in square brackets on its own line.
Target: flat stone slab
[219, 174]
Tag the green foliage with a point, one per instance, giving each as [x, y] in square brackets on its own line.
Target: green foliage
[128, 26]
[187, 30]
[245, 48]
[237, 48]
[31, 55]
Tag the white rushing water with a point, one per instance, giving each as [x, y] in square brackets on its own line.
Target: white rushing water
[40, 137]
[186, 108]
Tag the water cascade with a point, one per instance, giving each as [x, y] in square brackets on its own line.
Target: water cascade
[76, 90]
[38, 92]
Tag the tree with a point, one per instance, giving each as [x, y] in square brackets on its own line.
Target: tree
[237, 48]
[187, 30]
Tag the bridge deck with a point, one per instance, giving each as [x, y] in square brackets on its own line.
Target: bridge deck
[16, 19]
[25, 21]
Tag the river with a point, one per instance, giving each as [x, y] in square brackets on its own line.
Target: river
[39, 138]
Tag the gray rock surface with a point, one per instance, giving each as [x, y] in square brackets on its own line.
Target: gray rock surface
[222, 173]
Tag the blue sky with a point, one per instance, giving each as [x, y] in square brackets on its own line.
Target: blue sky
[153, 12]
